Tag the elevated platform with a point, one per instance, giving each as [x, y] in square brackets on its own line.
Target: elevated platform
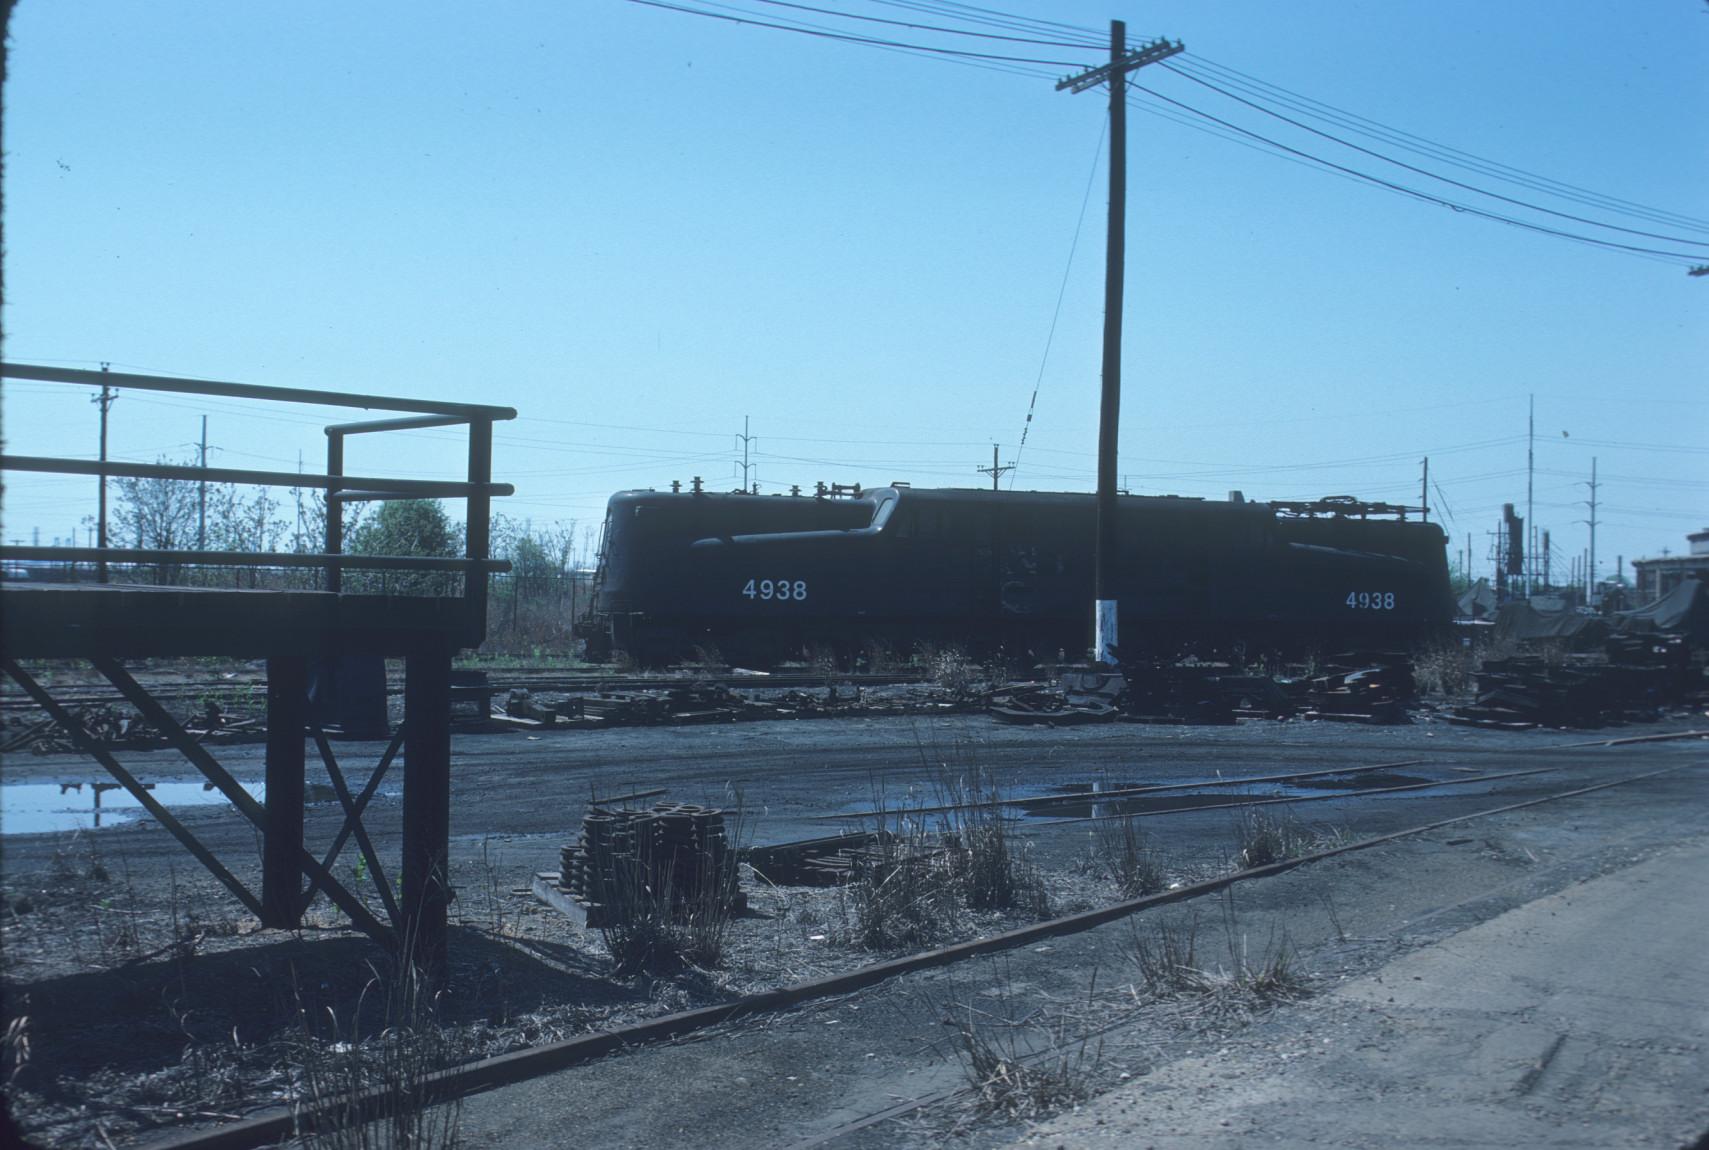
[119, 604]
[125, 620]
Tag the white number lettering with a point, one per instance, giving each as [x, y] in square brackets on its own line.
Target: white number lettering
[1350, 601]
[1371, 600]
[780, 590]
[1388, 600]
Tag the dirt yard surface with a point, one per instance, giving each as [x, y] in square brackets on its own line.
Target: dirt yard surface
[152, 1001]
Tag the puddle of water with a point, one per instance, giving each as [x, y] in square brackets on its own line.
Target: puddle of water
[37, 808]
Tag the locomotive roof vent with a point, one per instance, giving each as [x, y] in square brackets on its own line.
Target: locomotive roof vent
[1236, 497]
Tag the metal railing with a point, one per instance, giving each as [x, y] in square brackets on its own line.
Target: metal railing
[477, 490]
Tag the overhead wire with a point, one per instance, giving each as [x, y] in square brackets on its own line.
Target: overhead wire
[1418, 194]
[846, 37]
[1422, 171]
[1056, 314]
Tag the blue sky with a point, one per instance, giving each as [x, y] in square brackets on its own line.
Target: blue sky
[638, 226]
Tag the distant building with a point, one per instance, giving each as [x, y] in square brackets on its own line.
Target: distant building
[1656, 577]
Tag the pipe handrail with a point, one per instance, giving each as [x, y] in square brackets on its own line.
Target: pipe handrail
[187, 558]
[447, 488]
[125, 380]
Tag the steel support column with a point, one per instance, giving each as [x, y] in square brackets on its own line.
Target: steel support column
[425, 873]
[282, 842]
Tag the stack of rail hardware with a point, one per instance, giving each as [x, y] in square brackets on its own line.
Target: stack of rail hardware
[675, 856]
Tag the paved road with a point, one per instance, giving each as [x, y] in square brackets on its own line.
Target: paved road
[1580, 1019]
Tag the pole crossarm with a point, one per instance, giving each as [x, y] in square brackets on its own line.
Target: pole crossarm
[1159, 49]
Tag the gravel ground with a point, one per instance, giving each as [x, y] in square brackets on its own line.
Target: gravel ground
[153, 1000]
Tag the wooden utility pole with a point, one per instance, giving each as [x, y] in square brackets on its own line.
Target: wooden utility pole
[996, 470]
[1424, 490]
[1114, 73]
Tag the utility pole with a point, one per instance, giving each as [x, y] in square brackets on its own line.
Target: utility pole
[105, 399]
[1114, 73]
[1546, 548]
[202, 494]
[1590, 564]
[1424, 490]
[746, 441]
[995, 471]
[1530, 471]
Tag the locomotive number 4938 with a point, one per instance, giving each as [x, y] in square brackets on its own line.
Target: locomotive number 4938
[776, 589]
[1371, 600]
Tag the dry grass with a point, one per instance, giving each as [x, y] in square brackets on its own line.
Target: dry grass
[372, 1091]
[1168, 958]
[1021, 1069]
[1123, 852]
[1444, 668]
[1263, 837]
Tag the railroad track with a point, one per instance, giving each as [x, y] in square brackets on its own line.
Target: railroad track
[544, 680]
[521, 1065]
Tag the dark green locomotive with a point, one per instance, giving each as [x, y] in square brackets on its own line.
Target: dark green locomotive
[763, 578]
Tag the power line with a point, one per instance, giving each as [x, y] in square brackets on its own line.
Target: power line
[1061, 293]
[1420, 145]
[1416, 193]
[848, 37]
[1426, 172]
[920, 27]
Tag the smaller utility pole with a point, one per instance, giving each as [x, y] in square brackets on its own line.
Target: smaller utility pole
[996, 470]
[1590, 562]
[747, 440]
[105, 399]
[202, 494]
[1424, 490]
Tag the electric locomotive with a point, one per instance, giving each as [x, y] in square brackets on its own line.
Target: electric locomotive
[763, 578]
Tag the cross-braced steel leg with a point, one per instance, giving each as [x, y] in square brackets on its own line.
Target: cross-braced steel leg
[282, 841]
[427, 806]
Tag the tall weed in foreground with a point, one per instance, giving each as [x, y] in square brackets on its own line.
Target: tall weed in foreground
[375, 1091]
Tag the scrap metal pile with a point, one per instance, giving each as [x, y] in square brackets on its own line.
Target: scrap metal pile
[1348, 688]
[826, 861]
[715, 703]
[122, 728]
[1532, 691]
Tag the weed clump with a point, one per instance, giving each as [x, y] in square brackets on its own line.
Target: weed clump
[373, 1091]
[903, 894]
[1022, 1071]
[1123, 852]
[1262, 838]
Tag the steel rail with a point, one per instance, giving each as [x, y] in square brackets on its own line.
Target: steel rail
[506, 1069]
[1123, 792]
[1275, 800]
